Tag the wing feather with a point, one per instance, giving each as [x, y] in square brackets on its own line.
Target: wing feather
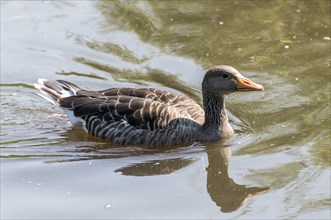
[145, 108]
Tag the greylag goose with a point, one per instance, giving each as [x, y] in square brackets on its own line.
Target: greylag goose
[150, 116]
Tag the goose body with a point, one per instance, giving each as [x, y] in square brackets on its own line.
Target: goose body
[150, 116]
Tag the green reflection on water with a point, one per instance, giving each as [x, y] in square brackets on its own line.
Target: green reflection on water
[250, 33]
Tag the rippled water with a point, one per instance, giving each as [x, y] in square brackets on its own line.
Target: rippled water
[277, 165]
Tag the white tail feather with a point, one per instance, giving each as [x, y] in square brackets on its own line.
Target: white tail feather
[53, 91]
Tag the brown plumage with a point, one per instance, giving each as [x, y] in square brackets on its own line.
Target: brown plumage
[147, 115]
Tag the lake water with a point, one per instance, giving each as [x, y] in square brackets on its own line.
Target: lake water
[276, 166]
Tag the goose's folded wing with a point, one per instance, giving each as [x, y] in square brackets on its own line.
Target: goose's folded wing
[139, 112]
[185, 106]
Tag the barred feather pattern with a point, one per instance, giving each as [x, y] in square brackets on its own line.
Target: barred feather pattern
[121, 132]
[143, 108]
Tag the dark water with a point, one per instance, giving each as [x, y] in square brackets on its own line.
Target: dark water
[280, 163]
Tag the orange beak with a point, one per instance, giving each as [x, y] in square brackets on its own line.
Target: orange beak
[245, 84]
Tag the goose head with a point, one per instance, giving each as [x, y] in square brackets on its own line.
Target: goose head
[221, 80]
[218, 82]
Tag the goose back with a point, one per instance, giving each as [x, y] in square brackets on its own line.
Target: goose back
[143, 108]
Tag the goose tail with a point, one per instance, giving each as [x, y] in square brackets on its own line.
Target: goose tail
[53, 91]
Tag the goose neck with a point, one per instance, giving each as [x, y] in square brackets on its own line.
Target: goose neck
[215, 113]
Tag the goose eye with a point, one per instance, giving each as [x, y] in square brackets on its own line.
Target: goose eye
[225, 75]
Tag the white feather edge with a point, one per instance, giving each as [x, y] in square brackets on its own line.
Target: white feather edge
[72, 118]
[44, 94]
[70, 113]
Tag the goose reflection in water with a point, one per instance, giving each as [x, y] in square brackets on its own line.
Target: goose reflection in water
[223, 190]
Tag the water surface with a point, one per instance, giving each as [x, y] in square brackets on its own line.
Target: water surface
[277, 165]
